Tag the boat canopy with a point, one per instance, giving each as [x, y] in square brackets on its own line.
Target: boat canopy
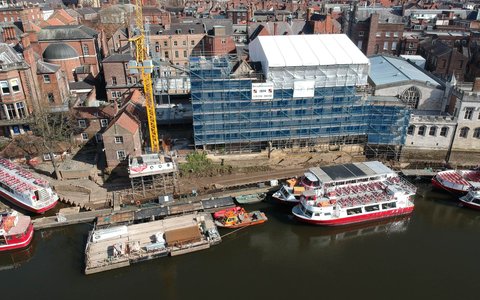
[311, 177]
[350, 171]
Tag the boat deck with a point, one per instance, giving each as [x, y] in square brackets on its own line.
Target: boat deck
[139, 243]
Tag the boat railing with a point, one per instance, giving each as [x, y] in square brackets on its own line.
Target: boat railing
[407, 185]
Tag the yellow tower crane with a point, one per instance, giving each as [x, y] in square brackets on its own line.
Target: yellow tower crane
[145, 65]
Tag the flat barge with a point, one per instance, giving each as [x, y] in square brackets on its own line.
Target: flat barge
[119, 246]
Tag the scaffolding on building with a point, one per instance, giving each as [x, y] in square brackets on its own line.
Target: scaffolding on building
[323, 107]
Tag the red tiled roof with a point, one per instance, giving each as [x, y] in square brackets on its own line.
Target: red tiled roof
[126, 121]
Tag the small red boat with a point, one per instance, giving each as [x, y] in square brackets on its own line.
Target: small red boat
[240, 218]
[16, 231]
[223, 212]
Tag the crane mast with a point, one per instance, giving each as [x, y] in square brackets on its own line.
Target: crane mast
[144, 64]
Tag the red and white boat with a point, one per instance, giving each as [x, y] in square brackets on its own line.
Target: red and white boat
[457, 182]
[16, 231]
[25, 190]
[358, 193]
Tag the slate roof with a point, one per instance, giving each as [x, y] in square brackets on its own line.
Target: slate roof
[59, 51]
[46, 68]
[209, 23]
[8, 55]
[66, 32]
[118, 58]
[390, 70]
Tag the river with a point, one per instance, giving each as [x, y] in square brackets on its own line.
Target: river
[430, 255]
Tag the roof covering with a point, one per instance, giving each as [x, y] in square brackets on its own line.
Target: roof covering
[350, 171]
[59, 51]
[8, 55]
[118, 58]
[306, 50]
[46, 68]
[387, 70]
[66, 32]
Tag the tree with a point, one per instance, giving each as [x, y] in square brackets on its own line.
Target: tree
[54, 128]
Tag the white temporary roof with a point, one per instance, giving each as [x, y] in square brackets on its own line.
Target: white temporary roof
[305, 50]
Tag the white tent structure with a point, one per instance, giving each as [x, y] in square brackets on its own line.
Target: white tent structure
[325, 60]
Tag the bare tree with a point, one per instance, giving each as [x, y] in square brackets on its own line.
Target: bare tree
[54, 128]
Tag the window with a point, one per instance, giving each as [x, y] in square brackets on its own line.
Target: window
[51, 98]
[192, 42]
[385, 45]
[121, 155]
[476, 133]
[114, 80]
[103, 123]
[11, 111]
[98, 137]
[118, 139]
[82, 123]
[468, 113]
[165, 43]
[184, 53]
[116, 94]
[360, 44]
[464, 132]
[433, 131]
[224, 41]
[361, 34]
[85, 136]
[176, 54]
[166, 54]
[85, 49]
[175, 43]
[46, 78]
[411, 97]
[184, 43]
[410, 45]
[444, 131]
[387, 34]
[411, 130]
[14, 84]
[395, 34]
[378, 34]
[21, 110]
[421, 130]
[4, 86]
[47, 156]
[394, 46]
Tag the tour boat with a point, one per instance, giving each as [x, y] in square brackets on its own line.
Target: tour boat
[16, 231]
[354, 193]
[457, 182]
[471, 199]
[241, 218]
[25, 190]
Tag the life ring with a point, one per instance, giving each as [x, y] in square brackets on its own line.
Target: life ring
[151, 167]
[138, 203]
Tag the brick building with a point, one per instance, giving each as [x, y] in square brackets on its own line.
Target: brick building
[122, 139]
[117, 76]
[378, 34]
[54, 85]
[219, 37]
[82, 39]
[443, 60]
[65, 56]
[177, 43]
[17, 89]
[93, 121]
[22, 13]
[154, 15]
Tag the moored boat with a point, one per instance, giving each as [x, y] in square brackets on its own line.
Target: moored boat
[241, 219]
[223, 212]
[250, 198]
[358, 199]
[471, 199]
[457, 182]
[25, 190]
[16, 231]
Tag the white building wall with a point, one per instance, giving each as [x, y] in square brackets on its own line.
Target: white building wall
[469, 142]
[431, 98]
[429, 140]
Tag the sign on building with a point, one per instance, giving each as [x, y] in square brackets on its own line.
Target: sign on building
[262, 91]
[304, 89]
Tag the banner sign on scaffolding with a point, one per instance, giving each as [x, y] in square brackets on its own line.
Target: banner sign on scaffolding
[262, 91]
[304, 89]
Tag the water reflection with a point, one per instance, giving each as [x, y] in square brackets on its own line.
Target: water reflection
[15, 259]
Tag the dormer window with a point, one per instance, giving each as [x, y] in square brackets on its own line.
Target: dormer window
[178, 31]
[191, 30]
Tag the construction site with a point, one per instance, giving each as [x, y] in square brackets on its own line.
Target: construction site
[289, 96]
